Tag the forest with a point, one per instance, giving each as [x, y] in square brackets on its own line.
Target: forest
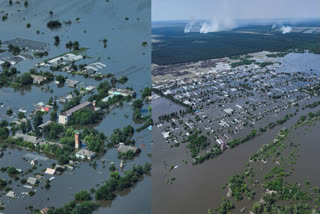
[177, 47]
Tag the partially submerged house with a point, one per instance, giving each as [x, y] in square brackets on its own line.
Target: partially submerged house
[38, 79]
[124, 148]
[34, 162]
[45, 124]
[32, 181]
[72, 83]
[65, 116]
[27, 138]
[44, 210]
[50, 171]
[11, 194]
[122, 92]
[85, 153]
[62, 99]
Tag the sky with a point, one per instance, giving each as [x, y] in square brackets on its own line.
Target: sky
[164, 10]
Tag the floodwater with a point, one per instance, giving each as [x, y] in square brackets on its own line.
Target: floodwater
[124, 55]
[306, 167]
[197, 188]
[161, 106]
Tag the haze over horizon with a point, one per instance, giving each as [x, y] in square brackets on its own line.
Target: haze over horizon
[177, 10]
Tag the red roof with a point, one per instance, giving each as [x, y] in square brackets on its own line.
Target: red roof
[46, 109]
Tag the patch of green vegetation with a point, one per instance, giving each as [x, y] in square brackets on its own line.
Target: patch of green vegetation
[129, 155]
[85, 116]
[238, 186]
[225, 207]
[54, 24]
[122, 80]
[196, 143]
[122, 135]
[117, 183]
[175, 43]
[274, 55]
[82, 196]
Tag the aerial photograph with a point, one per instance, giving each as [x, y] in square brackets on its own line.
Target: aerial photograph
[75, 106]
[235, 107]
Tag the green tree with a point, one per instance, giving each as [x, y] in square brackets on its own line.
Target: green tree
[146, 92]
[21, 115]
[56, 40]
[37, 120]
[25, 79]
[4, 133]
[9, 112]
[138, 104]
[12, 171]
[60, 79]
[23, 127]
[53, 115]
[82, 196]
[3, 183]
[76, 45]
[29, 126]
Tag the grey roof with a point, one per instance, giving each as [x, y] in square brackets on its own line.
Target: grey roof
[26, 43]
[86, 152]
[76, 108]
[124, 148]
[27, 138]
[45, 124]
[38, 78]
[32, 181]
[51, 143]
[123, 91]
[11, 194]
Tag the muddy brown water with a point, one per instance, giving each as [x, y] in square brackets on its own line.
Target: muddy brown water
[198, 188]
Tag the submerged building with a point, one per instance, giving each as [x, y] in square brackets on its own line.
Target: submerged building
[122, 92]
[65, 116]
[27, 138]
[124, 148]
[85, 154]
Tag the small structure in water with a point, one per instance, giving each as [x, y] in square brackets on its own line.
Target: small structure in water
[124, 148]
[34, 162]
[32, 181]
[50, 171]
[85, 153]
[38, 79]
[121, 164]
[11, 194]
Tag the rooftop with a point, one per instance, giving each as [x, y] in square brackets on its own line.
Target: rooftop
[86, 152]
[26, 138]
[124, 148]
[76, 108]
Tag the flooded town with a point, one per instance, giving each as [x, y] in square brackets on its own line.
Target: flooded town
[206, 112]
[75, 107]
[227, 100]
[159, 106]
